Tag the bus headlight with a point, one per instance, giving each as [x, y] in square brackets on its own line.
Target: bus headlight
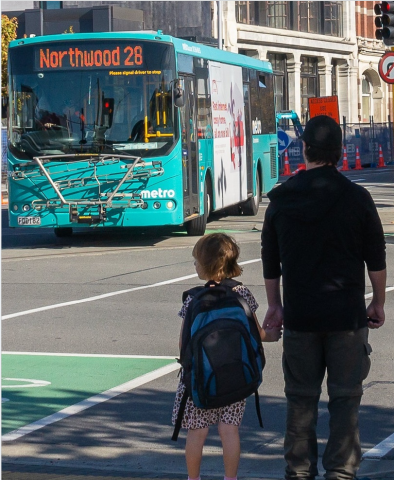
[15, 207]
[170, 205]
[26, 207]
[157, 205]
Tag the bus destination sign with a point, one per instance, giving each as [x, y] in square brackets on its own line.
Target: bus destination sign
[86, 57]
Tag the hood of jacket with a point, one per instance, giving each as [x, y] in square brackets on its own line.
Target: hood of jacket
[310, 194]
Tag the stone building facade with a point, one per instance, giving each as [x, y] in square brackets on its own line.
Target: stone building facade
[316, 48]
[340, 58]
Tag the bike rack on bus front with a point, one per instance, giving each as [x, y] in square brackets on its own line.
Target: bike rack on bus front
[137, 169]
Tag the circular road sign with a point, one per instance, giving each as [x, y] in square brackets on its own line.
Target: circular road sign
[386, 67]
[283, 140]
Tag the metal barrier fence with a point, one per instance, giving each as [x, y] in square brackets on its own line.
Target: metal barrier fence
[366, 138]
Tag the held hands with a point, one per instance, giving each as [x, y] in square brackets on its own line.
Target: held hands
[271, 334]
[272, 325]
[274, 317]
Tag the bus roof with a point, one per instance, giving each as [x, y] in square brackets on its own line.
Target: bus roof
[181, 46]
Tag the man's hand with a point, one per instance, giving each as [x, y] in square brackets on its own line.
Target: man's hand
[375, 313]
[271, 334]
[273, 318]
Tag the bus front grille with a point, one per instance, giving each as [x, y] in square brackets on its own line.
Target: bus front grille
[273, 162]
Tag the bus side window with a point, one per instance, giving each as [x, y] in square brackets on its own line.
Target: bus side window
[268, 101]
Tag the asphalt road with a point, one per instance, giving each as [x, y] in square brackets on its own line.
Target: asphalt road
[101, 297]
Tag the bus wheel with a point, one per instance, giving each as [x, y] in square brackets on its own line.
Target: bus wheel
[196, 227]
[251, 206]
[63, 231]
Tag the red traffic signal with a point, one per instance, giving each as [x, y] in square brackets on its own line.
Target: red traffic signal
[108, 111]
[384, 22]
[387, 7]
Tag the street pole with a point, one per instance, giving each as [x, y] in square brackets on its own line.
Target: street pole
[220, 25]
[392, 98]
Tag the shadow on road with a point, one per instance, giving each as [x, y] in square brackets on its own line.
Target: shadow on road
[132, 433]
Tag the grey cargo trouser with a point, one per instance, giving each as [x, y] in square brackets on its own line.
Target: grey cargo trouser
[307, 356]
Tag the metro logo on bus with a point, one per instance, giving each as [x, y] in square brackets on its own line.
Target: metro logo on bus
[159, 193]
[82, 57]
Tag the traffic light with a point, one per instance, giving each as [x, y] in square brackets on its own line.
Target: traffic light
[108, 112]
[384, 22]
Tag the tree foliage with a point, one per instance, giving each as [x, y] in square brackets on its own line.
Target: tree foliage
[8, 33]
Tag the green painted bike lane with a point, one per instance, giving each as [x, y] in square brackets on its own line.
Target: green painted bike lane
[35, 386]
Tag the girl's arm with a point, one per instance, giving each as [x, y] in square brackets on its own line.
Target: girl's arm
[258, 325]
[269, 334]
[180, 335]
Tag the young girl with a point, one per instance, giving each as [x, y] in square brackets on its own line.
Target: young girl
[216, 258]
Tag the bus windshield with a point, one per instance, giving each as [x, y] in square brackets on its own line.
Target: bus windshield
[107, 96]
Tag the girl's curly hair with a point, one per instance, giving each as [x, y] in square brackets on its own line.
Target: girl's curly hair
[217, 254]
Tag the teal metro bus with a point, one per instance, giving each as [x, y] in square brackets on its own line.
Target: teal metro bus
[139, 129]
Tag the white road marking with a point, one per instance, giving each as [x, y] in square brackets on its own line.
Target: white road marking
[380, 450]
[90, 402]
[120, 292]
[369, 295]
[106, 295]
[28, 383]
[55, 354]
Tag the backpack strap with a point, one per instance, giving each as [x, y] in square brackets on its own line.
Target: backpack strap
[257, 403]
[192, 292]
[230, 282]
[179, 418]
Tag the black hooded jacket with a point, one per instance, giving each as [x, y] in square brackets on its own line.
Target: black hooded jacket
[319, 231]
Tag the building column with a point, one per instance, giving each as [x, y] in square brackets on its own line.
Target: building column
[354, 99]
[262, 52]
[294, 83]
[230, 31]
[325, 78]
[344, 91]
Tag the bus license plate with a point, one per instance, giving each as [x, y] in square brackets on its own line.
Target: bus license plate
[29, 221]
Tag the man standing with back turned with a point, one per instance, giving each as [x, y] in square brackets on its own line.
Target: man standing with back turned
[320, 230]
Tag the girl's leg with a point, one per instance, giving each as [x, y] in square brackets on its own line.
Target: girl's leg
[229, 435]
[194, 443]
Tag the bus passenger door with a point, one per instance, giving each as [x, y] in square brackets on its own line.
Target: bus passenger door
[248, 139]
[189, 149]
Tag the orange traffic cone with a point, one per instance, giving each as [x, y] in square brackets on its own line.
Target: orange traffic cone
[381, 159]
[358, 161]
[301, 166]
[345, 164]
[286, 170]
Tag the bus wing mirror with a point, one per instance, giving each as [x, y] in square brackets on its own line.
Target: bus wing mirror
[179, 97]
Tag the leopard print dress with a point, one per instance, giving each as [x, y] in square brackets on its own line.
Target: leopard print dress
[195, 417]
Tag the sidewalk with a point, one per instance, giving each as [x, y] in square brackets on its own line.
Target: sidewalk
[370, 469]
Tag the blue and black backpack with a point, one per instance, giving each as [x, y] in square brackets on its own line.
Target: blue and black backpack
[221, 355]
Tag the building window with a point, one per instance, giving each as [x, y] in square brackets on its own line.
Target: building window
[309, 84]
[51, 5]
[332, 16]
[278, 63]
[334, 82]
[366, 100]
[277, 14]
[245, 12]
[310, 17]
